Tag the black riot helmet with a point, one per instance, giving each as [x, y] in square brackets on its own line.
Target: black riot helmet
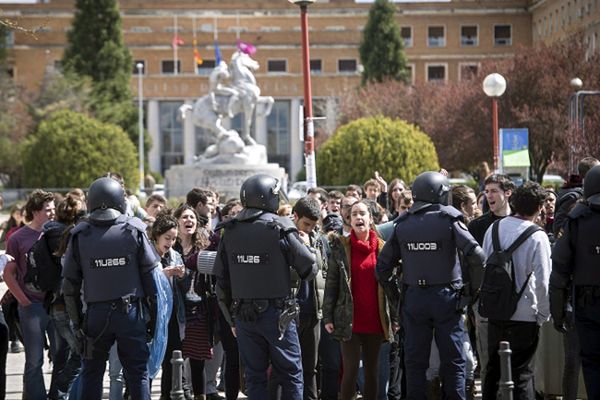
[591, 186]
[261, 191]
[431, 187]
[106, 199]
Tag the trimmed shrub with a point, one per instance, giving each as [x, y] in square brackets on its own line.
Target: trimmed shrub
[395, 148]
[70, 149]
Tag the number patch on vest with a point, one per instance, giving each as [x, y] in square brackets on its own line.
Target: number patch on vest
[250, 258]
[423, 246]
[109, 262]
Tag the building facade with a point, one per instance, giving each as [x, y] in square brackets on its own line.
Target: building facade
[444, 41]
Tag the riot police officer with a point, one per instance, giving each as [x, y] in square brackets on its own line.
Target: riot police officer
[427, 240]
[111, 256]
[253, 285]
[575, 261]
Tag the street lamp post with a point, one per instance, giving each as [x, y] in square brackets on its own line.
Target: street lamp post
[140, 71]
[494, 86]
[577, 115]
[309, 127]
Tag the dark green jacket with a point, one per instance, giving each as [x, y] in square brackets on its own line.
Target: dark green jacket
[337, 302]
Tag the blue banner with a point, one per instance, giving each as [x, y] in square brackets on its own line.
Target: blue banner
[514, 139]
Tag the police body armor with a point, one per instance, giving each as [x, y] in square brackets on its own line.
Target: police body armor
[426, 239]
[108, 259]
[257, 265]
[587, 248]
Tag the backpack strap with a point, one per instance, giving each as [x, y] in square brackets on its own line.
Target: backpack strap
[496, 236]
[519, 241]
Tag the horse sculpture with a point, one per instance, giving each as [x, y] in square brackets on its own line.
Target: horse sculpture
[226, 99]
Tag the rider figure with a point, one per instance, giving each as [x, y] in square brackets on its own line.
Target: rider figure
[219, 87]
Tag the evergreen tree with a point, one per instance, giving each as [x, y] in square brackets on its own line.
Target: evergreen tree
[96, 50]
[382, 49]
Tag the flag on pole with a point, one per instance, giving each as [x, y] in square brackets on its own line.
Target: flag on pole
[217, 53]
[246, 48]
[177, 41]
[215, 38]
[197, 56]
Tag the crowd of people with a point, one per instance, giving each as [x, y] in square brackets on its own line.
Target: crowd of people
[389, 309]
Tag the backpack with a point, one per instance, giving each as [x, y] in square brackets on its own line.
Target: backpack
[498, 297]
[43, 268]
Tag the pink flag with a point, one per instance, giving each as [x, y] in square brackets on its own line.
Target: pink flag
[246, 48]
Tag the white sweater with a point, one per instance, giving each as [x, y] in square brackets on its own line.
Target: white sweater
[532, 256]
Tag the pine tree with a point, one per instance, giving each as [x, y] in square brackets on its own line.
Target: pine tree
[382, 49]
[96, 50]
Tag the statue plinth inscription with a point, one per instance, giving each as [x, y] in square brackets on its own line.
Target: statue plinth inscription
[226, 178]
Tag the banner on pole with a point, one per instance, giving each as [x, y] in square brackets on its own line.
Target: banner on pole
[514, 147]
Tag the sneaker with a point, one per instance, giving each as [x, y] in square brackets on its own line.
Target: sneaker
[15, 347]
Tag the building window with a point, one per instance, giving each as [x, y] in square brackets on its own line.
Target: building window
[347, 65]
[435, 36]
[406, 33]
[135, 63]
[436, 73]
[141, 29]
[168, 67]
[278, 134]
[467, 71]
[205, 68]
[469, 36]
[171, 134]
[411, 73]
[9, 40]
[277, 66]
[316, 66]
[503, 35]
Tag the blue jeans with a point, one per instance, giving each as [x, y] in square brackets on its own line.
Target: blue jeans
[34, 324]
[66, 362]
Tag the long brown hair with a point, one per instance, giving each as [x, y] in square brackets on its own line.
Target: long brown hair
[200, 239]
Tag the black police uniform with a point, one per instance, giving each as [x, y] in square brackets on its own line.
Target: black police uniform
[426, 239]
[112, 256]
[575, 266]
[253, 283]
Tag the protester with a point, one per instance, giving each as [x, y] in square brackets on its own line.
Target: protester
[355, 310]
[532, 265]
[33, 317]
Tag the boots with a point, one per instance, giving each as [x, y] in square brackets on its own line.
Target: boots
[434, 389]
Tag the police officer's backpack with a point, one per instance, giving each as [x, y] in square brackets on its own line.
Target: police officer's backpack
[43, 268]
[498, 297]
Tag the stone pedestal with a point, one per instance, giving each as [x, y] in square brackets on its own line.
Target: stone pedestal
[224, 178]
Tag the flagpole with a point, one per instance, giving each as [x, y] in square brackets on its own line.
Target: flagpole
[175, 44]
[194, 42]
[237, 28]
